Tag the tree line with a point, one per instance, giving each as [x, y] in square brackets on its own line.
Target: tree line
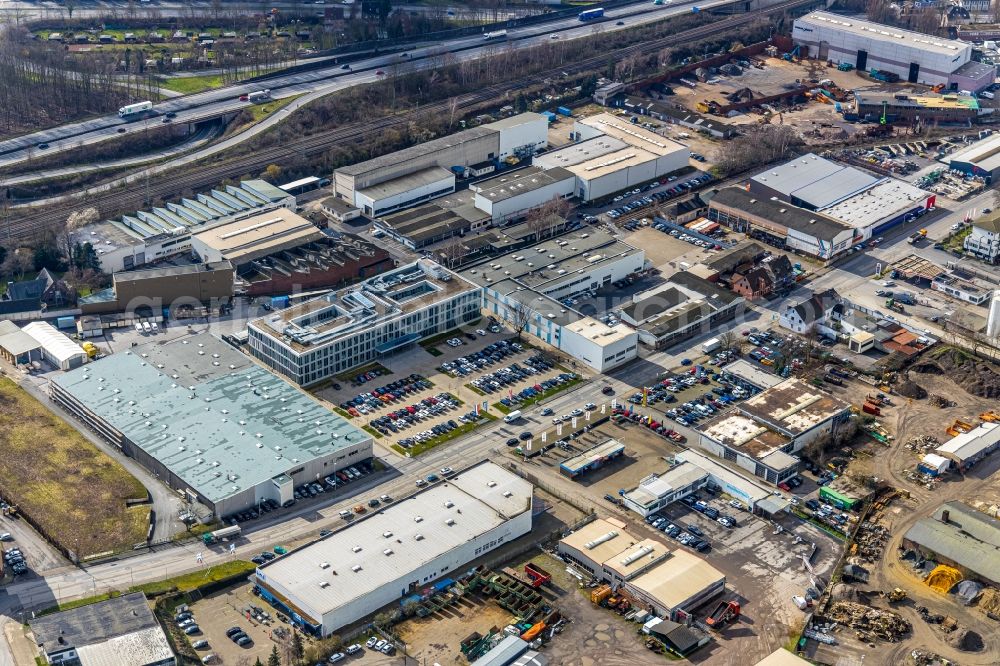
[40, 87]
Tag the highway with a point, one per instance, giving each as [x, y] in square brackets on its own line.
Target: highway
[199, 106]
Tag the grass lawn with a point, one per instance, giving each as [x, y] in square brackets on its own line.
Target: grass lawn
[261, 111]
[504, 409]
[463, 429]
[191, 581]
[62, 481]
[191, 84]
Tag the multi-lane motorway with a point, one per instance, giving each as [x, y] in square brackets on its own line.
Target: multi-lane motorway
[196, 107]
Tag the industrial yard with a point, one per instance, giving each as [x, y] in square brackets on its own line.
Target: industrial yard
[615, 335]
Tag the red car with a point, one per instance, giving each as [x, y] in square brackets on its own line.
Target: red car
[379, 72]
[784, 486]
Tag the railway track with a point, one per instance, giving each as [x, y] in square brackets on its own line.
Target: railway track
[201, 177]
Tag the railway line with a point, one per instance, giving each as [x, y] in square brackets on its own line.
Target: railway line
[201, 177]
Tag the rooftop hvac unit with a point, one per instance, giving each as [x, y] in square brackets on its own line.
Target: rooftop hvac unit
[418, 537]
[387, 551]
[418, 519]
[449, 504]
[507, 493]
[324, 583]
[324, 565]
[356, 568]
[449, 521]
[387, 534]
[356, 549]
[491, 484]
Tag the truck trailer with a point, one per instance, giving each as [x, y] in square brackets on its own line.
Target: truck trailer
[135, 111]
[230, 532]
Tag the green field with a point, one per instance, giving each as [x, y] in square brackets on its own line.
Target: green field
[191, 84]
[65, 484]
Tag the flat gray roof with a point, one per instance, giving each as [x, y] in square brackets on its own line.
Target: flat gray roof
[93, 623]
[166, 271]
[419, 150]
[539, 264]
[396, 186]
[215, 419]
[888, 35]
[511, 184]
[749, 372]
[815, 180]
[577, 153]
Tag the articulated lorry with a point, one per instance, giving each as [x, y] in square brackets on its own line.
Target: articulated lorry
[230, 532]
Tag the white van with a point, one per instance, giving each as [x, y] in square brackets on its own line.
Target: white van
[513, 416]
[146, 327]
[987, 94]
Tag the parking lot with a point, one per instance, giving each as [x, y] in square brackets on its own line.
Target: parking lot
[631, 203]
[317, 492]
[222, 611]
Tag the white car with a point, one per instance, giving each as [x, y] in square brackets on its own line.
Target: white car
[6, 537]
[337, 656]
[353, 649]
[481, 332]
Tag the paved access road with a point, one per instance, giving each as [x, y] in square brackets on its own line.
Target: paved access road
[193, 108]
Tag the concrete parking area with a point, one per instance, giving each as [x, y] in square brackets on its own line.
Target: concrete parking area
[216, 613]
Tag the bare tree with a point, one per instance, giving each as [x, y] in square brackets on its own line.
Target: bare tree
[545, 218]
[520, 316]
[452, 253]
[727, 340]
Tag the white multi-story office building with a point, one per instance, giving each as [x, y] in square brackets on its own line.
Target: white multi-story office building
[537, 283]
[343, 329]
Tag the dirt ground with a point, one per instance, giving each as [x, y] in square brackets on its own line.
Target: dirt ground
[763, 569]
[908, 420]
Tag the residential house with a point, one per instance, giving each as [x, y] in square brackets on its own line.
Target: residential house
[814, 312]
[44, 292]
[772, 275]
[984, 239]
[754, 284]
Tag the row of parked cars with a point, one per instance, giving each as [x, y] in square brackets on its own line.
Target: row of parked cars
[619, 413]
[693, 537]
[186, 623]
[663, 195]
[403, 418]
[533, 391]
[433, 432]
[303, 492]
[14, 560]
[511, 374]
[376, 399]
[366, 377]
[476, 361]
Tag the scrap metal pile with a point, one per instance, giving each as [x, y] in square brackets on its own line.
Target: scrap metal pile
[869, 622]
[870, 541]
[922, 444]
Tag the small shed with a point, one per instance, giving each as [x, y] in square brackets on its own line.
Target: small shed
[16, 346]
